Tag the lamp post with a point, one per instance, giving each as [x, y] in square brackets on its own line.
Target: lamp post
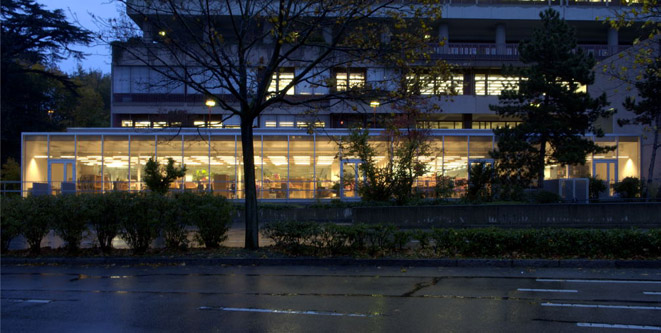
[374, 104]
[210, 103]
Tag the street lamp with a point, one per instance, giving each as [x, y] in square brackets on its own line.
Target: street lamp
[374, 104]
[50, 113]
[210, 103]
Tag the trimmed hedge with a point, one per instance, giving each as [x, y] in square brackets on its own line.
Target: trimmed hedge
[137, 217]
[302, 238]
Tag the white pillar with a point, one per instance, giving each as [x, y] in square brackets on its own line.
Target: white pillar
[444, 35]
[501, 39]
[613, 41]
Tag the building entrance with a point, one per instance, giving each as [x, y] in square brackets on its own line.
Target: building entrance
[350, 178]
[61, 175]
[606, 171]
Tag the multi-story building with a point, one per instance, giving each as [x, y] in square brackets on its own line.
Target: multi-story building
[481, 37]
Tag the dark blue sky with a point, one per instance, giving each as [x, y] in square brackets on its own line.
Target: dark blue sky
[99, 55]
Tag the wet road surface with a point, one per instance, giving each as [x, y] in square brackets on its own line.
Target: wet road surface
[327, 299]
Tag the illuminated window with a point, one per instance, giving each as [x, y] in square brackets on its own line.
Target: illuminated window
[581, 88]
[215, 124]
[429, 85]
[160, 124]
[199, 123]
[349, 77]
[127, 123]
[494, 84]
[286, 124]
[281, 79]
[271, 123]
[142, 124]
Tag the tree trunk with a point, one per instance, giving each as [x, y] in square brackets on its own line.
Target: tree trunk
[540, 161]
[650, 172]
[252, 225]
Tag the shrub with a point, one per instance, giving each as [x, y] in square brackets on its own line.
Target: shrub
[173, 225]
[106, 214]
[37, 219]
[141, 220]
[596, 186]
[70, 218]
[444, 187]
[628, 188]
[301, 237]
[544, 197]
[479, 182]
[210, 214]
[10, 223]
[158, 178]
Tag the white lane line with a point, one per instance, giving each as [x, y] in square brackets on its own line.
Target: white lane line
[603, 306]
[317, 313]
[39, 301]
[600, 281]
[549, 290]
[652, 292]
[620, 326]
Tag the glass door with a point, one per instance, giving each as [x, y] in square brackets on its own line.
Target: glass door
[349, 179]
[61, 175]
[606, 171]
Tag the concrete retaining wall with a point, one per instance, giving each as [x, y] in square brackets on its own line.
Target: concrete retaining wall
[605, 215]
[615, 215]
[321, 215]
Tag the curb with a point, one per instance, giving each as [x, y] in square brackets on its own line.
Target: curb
[538, 263]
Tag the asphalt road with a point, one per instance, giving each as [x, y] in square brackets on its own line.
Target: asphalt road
[327, 299]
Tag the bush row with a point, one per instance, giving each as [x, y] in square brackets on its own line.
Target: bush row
[302, 238]
[136, 217]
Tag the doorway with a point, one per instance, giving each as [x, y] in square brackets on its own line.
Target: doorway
[61, 175]
[606, 171]
[350, 178]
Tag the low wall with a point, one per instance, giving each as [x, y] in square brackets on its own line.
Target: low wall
[595, 215]
[321, 215]
[612, 215]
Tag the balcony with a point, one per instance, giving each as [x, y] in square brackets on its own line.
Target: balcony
[545, 2]
[507, 52]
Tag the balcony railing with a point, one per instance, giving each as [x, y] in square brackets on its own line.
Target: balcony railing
[545, 2]
[510, 51]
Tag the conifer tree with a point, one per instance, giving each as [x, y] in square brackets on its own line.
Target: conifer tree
[555, 116]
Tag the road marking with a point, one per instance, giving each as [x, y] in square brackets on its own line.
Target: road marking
[549, 290]
[652, 292]
[630, 327]
[316, 313]
[603, 306]
[39, 301]
[600, 281]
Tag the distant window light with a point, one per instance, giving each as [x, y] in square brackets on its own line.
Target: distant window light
[160, 124]
[280, 80]
[127, 123]
[286, 124]
[271, 123]
[351, 78]
[199, 123]
[142, 124]
[429, 85]
[494, 84]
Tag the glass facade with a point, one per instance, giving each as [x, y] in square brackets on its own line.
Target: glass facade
[288, 166]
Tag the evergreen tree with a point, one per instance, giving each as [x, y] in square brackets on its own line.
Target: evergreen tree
[647, 110]
[33, 39]
[554, 114]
